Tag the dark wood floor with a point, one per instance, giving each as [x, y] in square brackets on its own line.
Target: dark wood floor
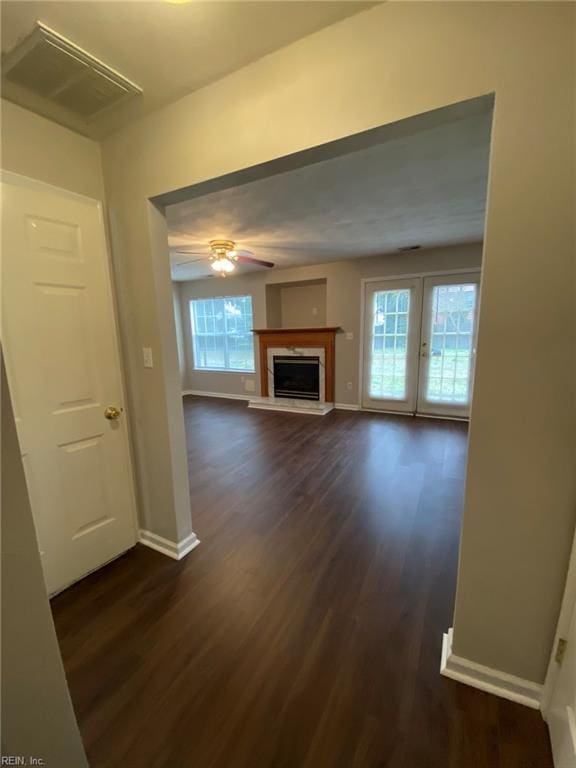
[305, 631]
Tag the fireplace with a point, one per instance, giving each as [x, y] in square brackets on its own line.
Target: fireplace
[296, 370]
[297, 376]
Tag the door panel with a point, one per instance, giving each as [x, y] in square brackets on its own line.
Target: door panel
[72, 376]
[392, 326]
[448, 344]
[63, 368]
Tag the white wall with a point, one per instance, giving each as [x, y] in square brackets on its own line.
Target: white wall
[381, 66]
[35, 147]
[343, 301]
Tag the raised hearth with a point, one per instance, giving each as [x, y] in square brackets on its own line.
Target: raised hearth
[290, 406]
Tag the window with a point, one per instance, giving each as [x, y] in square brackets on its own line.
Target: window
[222, 333]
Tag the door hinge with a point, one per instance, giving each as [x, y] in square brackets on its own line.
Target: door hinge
[560, 650]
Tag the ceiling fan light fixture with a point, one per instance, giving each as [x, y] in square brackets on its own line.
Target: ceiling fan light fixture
[223, 257]
[223, 265]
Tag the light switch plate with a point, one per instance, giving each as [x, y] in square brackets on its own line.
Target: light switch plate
[349, 335]
[147, 356]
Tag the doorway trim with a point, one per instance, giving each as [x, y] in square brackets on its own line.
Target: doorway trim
[10, 177]
[567, 607]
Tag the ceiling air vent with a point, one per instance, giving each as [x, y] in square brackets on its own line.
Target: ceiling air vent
[52, 67]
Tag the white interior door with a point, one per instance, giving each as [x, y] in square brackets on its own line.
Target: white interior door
[59, 338]
[562, 712]
[559, 699]
[448, 344]
[392, 310]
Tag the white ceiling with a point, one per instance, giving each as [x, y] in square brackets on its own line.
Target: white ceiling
[427, 188]
[168, 49]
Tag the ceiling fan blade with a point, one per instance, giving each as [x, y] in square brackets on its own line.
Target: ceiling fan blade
[252, 260]
[190, 261]
[188, 248]
[270, 246]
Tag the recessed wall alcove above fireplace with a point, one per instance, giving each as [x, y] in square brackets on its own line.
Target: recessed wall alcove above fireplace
[296, 369]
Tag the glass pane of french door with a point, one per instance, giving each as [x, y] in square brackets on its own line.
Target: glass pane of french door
[391, 344]
[448, 344]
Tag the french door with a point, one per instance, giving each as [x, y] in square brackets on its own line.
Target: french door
[420, 344]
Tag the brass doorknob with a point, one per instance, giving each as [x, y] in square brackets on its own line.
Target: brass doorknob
[112, 412]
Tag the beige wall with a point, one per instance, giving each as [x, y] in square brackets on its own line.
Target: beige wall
[342, 291]
[302, 305]
[350, 77]
[273, 306]
[37, 714]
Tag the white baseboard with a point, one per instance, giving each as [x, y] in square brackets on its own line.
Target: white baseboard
[346, 407]
[174, 549]
[200, 393]
[487, 679]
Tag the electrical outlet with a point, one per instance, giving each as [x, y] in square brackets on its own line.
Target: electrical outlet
[147, 356]
[348, 385]
[349, 335]
[314, 311]
[249, 385]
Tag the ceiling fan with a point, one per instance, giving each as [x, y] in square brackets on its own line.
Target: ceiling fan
[223, 257]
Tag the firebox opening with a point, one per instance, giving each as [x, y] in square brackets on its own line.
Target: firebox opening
[297, 377]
